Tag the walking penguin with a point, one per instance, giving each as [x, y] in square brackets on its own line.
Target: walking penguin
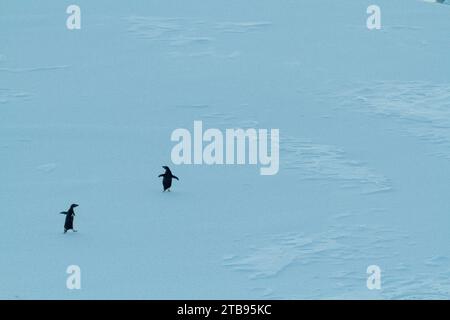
[68, 224]
[167, 178]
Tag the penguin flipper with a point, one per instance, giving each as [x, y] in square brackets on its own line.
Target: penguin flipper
[175, 177]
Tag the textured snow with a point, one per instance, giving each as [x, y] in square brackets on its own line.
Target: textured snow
[364, 119]
[422, 108]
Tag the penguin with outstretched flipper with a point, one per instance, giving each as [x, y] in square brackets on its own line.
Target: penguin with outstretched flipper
[68, 224]
[167, 178]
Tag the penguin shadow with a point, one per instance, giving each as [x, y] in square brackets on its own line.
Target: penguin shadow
[171, 193]
[70, 233]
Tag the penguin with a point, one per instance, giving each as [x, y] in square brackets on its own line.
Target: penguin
[167, 180]
[68, 224]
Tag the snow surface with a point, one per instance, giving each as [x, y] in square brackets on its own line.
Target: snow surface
[364, 119]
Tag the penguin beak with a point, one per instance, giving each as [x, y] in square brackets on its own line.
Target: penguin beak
[75, 205]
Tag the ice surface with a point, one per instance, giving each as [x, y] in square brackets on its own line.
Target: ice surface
[86, 117]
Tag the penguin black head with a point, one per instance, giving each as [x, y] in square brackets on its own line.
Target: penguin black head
[74, 206]
[166, 168]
